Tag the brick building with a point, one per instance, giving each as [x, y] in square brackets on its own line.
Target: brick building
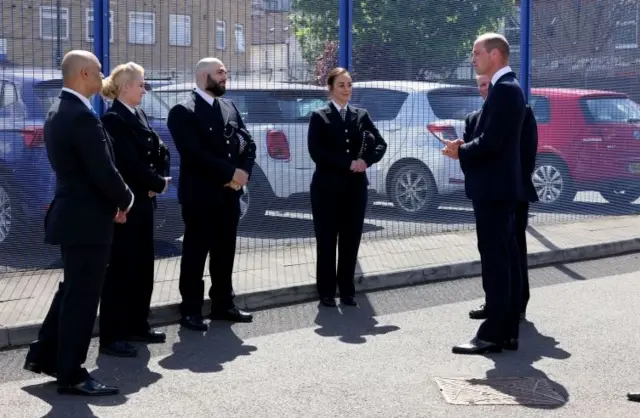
[163, 36]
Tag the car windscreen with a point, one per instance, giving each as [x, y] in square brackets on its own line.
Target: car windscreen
[610, 109]
[382, 104]
[454, 103]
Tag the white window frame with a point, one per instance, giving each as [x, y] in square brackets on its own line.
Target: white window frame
[51, 12]
[622, 23]
[177, 21]
[515, 15]
[141, 17]
[88, 20]
[240, 29]
[222, 38]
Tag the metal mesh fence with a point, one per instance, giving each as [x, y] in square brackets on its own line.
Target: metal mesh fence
[410, 64]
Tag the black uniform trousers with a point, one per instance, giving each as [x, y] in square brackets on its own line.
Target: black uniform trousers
[126, 296]
[338, 205]
[495, 227]
[65, 335]
[209, 230]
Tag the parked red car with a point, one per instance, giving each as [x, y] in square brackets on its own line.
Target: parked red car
[587, 140]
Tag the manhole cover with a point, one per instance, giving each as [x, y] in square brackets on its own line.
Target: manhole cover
[499, 391]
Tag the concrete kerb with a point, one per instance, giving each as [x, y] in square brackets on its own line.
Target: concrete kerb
[168, 313]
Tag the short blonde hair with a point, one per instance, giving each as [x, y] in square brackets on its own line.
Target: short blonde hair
[493, 41]
[123, 73]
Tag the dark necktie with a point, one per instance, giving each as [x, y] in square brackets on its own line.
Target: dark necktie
[343, 113]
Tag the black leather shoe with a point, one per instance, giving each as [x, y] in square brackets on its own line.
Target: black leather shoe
[349, 301]
[633, 396]
[119, 349]
[328, 302]
[233, 315]
[89, 387]
[477, 346]
[151, 336]
[511, 344]
[478, 313]
[194, 323]
[38, 368]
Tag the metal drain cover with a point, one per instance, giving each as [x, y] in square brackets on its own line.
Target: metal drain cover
[499, 391]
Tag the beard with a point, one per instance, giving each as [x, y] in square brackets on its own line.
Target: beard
[213, 87]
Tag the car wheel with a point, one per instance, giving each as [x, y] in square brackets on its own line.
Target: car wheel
[6, 214]
[413, 190]
[620, 197]
[552, 182]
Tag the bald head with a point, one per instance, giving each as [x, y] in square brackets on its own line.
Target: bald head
[211, 76]
[81, 72]
[75, 61]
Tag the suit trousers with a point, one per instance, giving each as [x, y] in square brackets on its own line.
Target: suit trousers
[495, 226]
[126, 296]
[65, 335]
[521, 222]
[209, 230]
[338, 218]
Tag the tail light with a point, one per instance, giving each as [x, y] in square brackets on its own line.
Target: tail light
[278, 145]
[443, 132]
[33, 137]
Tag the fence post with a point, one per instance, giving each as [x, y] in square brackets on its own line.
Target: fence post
[344, 33]
[526, 7]
[101, 43]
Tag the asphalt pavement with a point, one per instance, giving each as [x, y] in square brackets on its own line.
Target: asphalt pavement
[291, 224]
[379, 360]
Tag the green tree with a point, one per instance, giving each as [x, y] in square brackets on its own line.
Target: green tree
[395, 39]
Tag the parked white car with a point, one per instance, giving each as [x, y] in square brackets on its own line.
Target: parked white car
[411, 115]
[277, 115]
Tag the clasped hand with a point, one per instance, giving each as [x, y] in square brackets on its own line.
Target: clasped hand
[121, 217]
[451, 148]
[358, 166]
[167, 180]
[240, 179]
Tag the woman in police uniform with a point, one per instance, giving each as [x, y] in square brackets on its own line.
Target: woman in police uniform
[143, 161]
[343, 142]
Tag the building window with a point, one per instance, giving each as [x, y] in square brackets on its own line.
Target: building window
[511, 29]
[240, 45]
[48, 22]
[142, 28]
[180, 30]
[626, 34]
[272, 5]
[89, 26]
[221, 34]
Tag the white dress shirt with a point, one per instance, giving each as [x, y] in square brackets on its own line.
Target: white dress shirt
[502, 71]
[338, 106]
[206, 96]
[79, 96]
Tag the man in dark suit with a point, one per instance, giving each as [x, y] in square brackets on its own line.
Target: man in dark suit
[217, 155]
[528, 151]
[493, 181]
[90, 194]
